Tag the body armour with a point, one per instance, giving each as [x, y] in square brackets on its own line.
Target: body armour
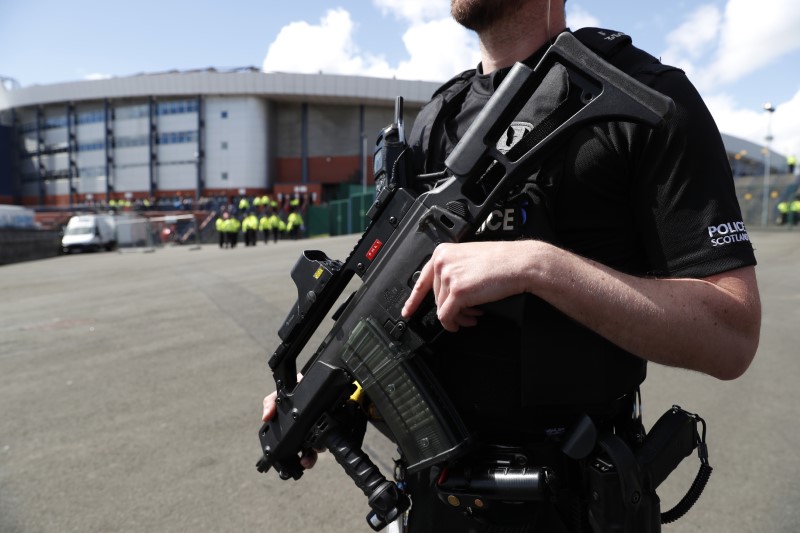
[612, 193]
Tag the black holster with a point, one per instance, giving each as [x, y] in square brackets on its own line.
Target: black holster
[621, 482]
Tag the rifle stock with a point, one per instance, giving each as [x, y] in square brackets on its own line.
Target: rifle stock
[370, 342]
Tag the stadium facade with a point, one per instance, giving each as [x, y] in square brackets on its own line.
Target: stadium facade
[210, 133]
[194, 134]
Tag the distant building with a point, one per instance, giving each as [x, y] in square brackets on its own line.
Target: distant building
[194, 134]
[210, 133]
[748, 158]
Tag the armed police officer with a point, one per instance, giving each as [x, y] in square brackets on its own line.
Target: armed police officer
[605, 259]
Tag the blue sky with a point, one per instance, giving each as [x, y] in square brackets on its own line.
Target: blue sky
[740, 53]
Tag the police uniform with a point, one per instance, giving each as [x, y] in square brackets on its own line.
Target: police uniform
[250, 228]
[645, 202]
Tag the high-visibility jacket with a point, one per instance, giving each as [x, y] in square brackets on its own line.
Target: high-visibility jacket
[244, 204]
[250, 222]
[264, 224]
[274, 222]
[294, 220]
[220, 224]
[232, 225]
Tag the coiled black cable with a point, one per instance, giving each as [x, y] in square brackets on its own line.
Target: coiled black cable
[691, 497]
[699, 483]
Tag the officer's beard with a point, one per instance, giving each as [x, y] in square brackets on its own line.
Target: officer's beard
[479, 15]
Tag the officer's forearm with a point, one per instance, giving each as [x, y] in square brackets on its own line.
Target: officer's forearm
[711, 325]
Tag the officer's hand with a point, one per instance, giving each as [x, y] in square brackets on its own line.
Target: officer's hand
[466, 275]
[309, 457]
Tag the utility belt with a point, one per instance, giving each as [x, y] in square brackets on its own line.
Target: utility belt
[601, 472]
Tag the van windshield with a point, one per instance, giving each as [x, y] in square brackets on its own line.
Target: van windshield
[79, 230]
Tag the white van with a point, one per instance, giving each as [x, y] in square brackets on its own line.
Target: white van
[89, 232]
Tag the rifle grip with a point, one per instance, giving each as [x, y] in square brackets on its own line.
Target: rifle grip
[386, 501]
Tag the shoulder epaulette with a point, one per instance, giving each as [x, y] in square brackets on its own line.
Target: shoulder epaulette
[617, 48]
[604, 42]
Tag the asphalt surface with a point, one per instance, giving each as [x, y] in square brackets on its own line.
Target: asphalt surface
[131, 384]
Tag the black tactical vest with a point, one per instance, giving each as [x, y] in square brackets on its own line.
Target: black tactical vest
[526, 358]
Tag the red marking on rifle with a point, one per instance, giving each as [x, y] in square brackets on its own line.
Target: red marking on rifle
[373, 251]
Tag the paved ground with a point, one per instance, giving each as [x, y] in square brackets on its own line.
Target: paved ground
[130, 389]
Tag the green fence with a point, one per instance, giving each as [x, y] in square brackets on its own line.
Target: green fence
[340, 217]
[350, 215]
[318, 221]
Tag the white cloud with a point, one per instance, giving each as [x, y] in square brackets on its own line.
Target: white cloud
[718, 48]
[577, 17]
[437, 46]
[785, 126]
[416, 11]
[438, 50]
[327, 47]
[693, 39]
[752, 124]
[745, 122]
[755, 34]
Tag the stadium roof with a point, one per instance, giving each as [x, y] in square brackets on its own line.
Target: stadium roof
[312, 88]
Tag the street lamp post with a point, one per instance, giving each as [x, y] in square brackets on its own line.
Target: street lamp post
[770, 109]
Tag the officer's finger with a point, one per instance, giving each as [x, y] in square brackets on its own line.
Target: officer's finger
[269, 407]
[308, 459]
[421, 287]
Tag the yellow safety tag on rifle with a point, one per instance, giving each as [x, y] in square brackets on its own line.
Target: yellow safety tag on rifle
[358, 393]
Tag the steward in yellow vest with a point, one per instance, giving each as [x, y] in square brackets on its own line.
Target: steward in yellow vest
[250, 229]
[232, 226]
[294, 225]
[219, 224]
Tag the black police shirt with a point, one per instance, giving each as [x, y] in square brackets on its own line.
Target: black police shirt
[646, 202]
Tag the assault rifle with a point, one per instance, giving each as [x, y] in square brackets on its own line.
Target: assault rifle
[370, 343]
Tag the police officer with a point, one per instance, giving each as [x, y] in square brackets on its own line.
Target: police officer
[264, 224]
[783, 212]
[274, 222]
[294, 222]
[625, 247]
[219, 224]
[250, 229]
[794, 211]
[232, 227]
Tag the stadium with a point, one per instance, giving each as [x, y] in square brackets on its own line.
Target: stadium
[199, 134]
